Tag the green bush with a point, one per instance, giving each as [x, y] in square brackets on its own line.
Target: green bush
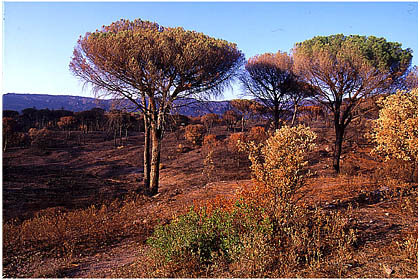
[206, 238]
[245, 242]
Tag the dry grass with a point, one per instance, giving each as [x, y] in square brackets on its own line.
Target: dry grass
[68, 235]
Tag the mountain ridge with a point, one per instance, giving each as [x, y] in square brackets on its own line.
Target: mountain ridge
[21, 101]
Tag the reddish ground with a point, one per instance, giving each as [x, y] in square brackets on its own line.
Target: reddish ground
[72, 176]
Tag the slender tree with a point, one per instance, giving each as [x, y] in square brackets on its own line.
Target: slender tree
[152, 66]
[9, 131]
[209, 120]
[246, 108]
[344, 70]
[270, 79]
[230, 117]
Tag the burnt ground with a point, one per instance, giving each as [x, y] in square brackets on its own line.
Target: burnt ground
[72, 175]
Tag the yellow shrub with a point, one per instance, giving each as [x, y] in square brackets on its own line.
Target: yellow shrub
[278, 165]
[40, 138]
[396, 130]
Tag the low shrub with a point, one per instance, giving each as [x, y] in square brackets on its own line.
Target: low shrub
[210, 142]
[257, 134]
[194, 133]
[396, 170]
[209, 168]
[204, 238]
[232, 141]
[396, 130]
[41, 138]
[278, 165]
[245, 242]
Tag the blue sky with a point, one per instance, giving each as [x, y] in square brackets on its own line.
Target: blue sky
[38, 38]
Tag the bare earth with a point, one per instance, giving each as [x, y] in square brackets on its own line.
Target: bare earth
[76, 176]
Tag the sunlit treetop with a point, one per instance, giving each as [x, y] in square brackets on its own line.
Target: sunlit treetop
[350, 66]
[279, 59]
[152, 66]
[147, 57]
[270, 66]
[370, 51]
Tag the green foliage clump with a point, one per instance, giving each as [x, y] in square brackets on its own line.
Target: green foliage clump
[206, 237]
[245, 242]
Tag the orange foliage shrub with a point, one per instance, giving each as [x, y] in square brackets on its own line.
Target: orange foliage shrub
[257, 134]
[194, 133]
[67, 122]
[209, 120]
[217, 203]
[210, 142]
[40, 138]
[233, 139]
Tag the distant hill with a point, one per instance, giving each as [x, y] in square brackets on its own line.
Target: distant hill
[191, 107]
[18, 102]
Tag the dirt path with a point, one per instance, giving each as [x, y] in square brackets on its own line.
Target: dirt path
[103, 264]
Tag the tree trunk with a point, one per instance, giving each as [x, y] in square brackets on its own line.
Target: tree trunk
[5, 144]
[339, 136]
[155, 161]
[294, 114]
[115, 137]
[121, 140]
[276, 118]
[146, 154]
